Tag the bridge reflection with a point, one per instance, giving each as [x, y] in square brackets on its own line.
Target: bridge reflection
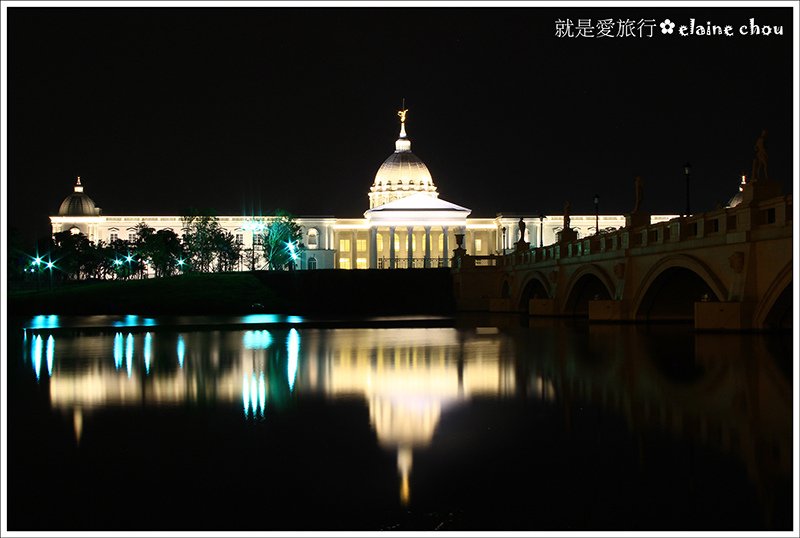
[725, 392]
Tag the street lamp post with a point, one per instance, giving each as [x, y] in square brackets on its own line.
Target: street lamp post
[504, 240]
[596, 214]
[541, 230]
[686, 170]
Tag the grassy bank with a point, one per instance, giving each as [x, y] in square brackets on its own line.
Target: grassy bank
[325, 292]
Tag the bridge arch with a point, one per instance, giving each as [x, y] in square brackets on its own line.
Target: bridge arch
[534, 286]
[670, 288]
[774, 310]
[588, 282]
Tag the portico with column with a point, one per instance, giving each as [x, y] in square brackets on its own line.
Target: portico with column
[417, 216]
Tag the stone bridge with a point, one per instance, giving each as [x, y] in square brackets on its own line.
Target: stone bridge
[727, 269]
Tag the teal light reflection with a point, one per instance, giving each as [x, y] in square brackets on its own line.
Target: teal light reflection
[254, 395]
[129, 353]
[44, 322]
[132, 320]
[293, 346]
[294, 319]
[37, 355]
[118, 350]
[181, 350]
[51, 351]
[262, 394]
[148, 344]
[261, 318]
[257, 339]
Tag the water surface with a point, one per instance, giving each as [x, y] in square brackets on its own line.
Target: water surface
[492, 424]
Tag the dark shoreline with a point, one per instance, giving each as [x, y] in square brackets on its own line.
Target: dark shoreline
[323, 293]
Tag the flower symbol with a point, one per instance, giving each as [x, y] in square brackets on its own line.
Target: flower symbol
[667, 26]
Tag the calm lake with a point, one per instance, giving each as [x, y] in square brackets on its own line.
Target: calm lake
[476, 423]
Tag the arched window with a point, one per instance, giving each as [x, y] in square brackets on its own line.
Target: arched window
[396, 242]
[441, 242]
[379, 242]
[313, 242]
[312, 263]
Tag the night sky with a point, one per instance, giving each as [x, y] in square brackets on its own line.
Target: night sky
[252, 109]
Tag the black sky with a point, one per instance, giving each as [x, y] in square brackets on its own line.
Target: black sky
[252, 109]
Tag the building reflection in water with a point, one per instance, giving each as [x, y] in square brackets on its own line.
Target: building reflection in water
[722, 393]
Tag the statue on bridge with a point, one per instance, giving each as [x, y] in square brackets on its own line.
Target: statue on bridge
[637, 185]
[567, 208]
[761, 159]
[521, 225]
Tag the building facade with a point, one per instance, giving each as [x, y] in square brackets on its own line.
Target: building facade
[407, 225]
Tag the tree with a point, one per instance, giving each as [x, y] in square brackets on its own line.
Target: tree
[228, 251]
[72, 252]
[201, 237]
[162, 249]
[282, 241]
[121, 260]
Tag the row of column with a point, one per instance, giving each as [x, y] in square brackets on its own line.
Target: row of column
[373, 246]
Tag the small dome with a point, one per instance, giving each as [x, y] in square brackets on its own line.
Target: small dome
[737, 198]
[401, 175]
[78, 204]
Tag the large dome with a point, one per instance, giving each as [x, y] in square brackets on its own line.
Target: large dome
[78, 204]
[401, 175]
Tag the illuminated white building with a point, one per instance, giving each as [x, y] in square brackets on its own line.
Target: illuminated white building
[406, 225]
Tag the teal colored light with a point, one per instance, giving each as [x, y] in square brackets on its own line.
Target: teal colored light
[292, 251]
[257, 339]
[37, 356]
[37, 260]
[51, 351]
[118, 350]
[45, 322]
[129, 258]
[129, 353]
[149, 322]
[148, 344]
[245, 394]
[49, 265]
[262, 394]
[181, 350]
[294, 319]
[254, 226]
[181, 261]
[293, 346]
[117, 262]
[260, 318]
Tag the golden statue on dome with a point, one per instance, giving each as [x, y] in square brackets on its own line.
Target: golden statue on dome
[403, 111]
